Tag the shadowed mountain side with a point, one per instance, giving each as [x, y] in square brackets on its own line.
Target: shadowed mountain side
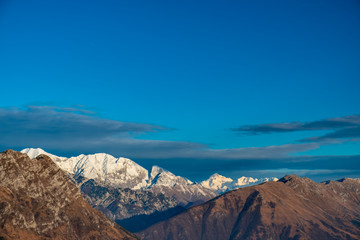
[292, 208]
[140, 222]
[38, 201]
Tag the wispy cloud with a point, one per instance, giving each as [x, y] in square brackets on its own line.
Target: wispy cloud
[342, 127]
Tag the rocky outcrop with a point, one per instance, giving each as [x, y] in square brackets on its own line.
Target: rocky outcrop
[291, 208]
[38, 201]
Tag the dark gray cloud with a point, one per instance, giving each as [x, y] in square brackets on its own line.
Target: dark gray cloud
[63, 123]
[66, 131]
[342, 127]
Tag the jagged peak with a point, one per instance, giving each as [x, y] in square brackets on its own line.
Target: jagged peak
[156, 170]
[219, 176]
[160, 176]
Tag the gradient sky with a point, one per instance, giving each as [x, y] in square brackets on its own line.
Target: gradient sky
[260, 88]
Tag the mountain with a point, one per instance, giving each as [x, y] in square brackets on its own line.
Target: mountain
[183, 190]
[291, 208]
[123, 190]
[38, 201]
[221, 184]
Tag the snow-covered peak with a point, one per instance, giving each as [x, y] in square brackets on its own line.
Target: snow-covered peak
[156, 170]
[217, 183]
[105, 168]
[218, 177]
[162, 177]
[221, 184]
[245, 181]
[34, 152]
[180, 188]
[269, 179]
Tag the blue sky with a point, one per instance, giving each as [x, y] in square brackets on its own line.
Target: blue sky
[186, 83]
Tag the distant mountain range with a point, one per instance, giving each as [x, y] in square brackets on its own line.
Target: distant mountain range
[125, 173]
[122, 189]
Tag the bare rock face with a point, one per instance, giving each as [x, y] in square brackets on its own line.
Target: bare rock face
[38, 201]
[121, 203]
[292, 208]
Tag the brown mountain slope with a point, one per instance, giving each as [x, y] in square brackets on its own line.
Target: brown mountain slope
[292, 208]
[38, 201]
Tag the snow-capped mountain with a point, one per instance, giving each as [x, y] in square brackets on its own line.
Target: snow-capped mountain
[123, 173]
[103, 168]
[218, 183]
[221, 184]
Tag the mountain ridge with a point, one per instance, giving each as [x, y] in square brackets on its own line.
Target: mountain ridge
[144, 179]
